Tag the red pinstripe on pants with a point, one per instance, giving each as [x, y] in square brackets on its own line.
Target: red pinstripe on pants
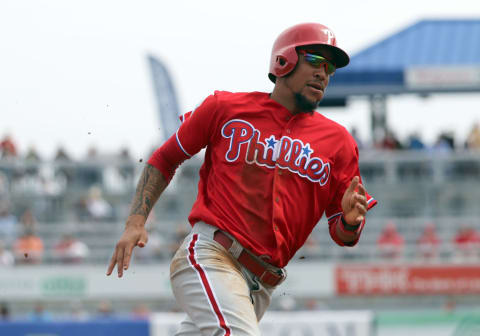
[206, 285]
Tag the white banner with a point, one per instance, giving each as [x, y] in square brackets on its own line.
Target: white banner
[303, 323]
[84, 282]
[305, 279]
[434, 77]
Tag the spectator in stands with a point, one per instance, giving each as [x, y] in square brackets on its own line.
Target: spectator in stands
[415, 142]
[28, 220]
[473, 139]
[92, 153]
[354, 133]
[390, 243]
[390, 141]
[445, 142]
[77, 311]
[90, 173]
[126, 166]
[8, 222]
[62, 155]
[4, 312]
[105, 310]
[141, 312]
[8, 149]
[70, 250]
[32, 155]
[96, 206]
[466, 244]
[32, 159]
[64, 172]
[40, 313]
[28, 249]
[6, 257]
[428, 244]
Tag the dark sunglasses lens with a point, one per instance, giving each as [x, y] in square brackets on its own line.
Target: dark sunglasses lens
[330, 68]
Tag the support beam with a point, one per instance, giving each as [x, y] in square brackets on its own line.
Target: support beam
[378, 117]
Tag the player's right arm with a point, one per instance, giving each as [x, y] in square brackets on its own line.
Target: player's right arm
[149, 188]
[193, 135]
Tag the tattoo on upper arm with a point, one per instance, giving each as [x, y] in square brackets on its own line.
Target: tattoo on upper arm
[149, 188]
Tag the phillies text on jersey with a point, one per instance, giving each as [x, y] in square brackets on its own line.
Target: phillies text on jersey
[286, 153]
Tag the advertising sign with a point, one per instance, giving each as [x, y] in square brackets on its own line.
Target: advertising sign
[405, 279]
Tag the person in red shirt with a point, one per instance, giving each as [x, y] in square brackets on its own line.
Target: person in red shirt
[428, 244]
[70, 250]
[8, 149]
[390, 243]
[273, 166]
[467, 244]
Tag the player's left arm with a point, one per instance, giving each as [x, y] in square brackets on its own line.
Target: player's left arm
[351, 200]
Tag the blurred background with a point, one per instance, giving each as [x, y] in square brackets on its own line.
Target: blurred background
[90, 89]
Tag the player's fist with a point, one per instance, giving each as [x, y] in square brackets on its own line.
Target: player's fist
[354, 203]
[134, 235]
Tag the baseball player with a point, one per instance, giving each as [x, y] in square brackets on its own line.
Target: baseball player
[272, 168]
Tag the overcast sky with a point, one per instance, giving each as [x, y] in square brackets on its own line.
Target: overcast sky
[75, 72]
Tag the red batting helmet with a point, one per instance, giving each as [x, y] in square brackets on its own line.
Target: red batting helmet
[284, 55]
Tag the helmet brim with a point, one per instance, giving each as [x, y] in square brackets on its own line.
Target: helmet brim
[340, 57]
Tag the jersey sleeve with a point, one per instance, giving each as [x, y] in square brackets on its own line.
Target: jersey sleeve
[197, 127]
[346, 168]
[193, 134]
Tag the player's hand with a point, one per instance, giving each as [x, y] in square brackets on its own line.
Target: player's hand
[134, 235]
[354, 203]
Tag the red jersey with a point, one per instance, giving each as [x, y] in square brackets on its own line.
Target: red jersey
[268, 175]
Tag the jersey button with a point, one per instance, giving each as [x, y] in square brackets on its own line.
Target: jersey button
[277, 199]
[275, 228]
[280, 172]
[288, 131]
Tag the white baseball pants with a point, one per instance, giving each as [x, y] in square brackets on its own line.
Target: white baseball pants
[218, 294]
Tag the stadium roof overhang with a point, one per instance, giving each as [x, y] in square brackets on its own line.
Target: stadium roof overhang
[431, 56]
[428, 57]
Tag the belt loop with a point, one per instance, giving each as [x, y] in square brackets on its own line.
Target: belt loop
[204, 228]
[235, 249]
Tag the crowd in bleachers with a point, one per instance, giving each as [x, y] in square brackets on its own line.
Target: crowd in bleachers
[465, 244]
[61, 210]
[34, 197]
[444, 142]
[103, 310]
[21, 244]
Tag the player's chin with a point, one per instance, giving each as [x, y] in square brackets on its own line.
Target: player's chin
[305, 103]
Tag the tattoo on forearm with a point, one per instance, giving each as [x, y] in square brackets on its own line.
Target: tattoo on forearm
[149, 188]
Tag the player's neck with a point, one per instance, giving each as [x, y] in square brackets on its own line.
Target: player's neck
[284, 98]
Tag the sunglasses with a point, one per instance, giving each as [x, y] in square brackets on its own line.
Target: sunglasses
[318, 61]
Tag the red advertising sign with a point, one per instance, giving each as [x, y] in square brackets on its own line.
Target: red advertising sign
[404, 279]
